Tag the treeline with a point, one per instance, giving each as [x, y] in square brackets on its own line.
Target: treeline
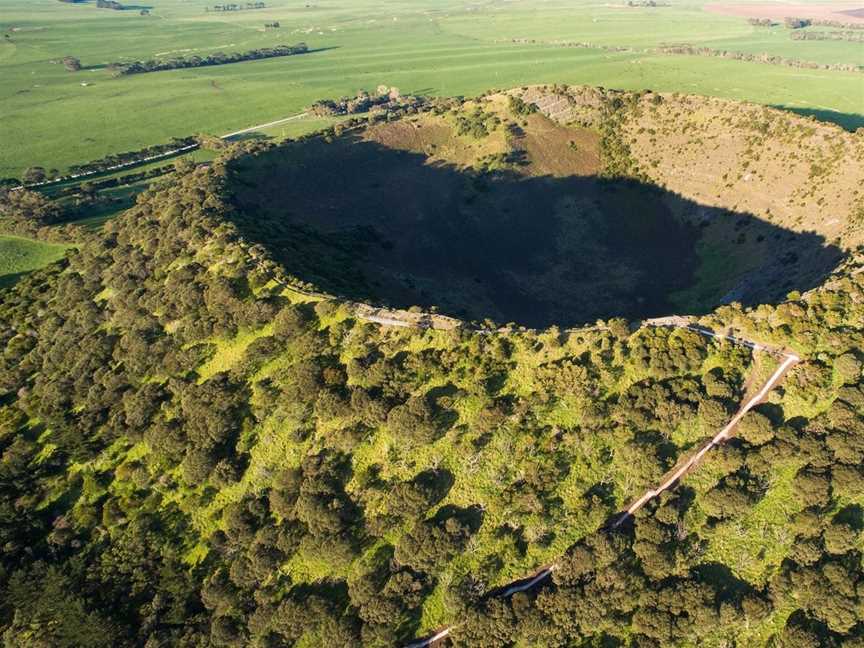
[36, 176]
[692, 50]
[792, 22]
[109, 4]
[237, 7]
[193, 454]
[771, 59]
[383, 98]
[115, 160]
[647, 3]
[219, 58]
[852, 36]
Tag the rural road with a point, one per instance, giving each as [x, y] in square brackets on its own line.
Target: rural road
[789, 359]
[267, 125]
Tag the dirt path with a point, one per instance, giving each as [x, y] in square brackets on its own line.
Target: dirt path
[267, 125]
[789, 359]
[720, 437]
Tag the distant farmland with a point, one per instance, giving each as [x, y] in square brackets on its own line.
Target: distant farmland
[56, 118]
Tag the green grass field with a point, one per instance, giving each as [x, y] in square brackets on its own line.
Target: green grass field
[19, 256]
[55, 118]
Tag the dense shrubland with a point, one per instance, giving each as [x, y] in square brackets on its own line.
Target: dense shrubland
[192, 453]
[30, 214]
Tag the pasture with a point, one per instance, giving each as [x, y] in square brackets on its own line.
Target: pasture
[55, 118]
[18, 256]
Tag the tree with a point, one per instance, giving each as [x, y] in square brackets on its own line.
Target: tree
[415, 421]
[71, 63]
[33, 175]
[756, 428]
[431, 543]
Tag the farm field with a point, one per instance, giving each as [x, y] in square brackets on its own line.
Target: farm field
[448, 48]
[19, 256]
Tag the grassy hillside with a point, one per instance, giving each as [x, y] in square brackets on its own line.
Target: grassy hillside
[193, 452]
[20, 255]
[443, 49]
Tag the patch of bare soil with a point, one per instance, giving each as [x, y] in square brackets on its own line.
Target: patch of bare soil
[841, 12]
[559, 151]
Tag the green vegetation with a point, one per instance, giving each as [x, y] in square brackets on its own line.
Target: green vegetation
[194, 452]
[234, 412]
[446, 49]
[220, 58]
[19, 256]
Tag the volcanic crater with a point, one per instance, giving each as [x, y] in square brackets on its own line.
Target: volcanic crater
[540, 207]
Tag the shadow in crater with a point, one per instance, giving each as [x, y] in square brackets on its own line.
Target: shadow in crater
[848, 121]
[385, 226]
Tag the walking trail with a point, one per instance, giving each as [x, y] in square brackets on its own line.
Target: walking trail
[789, 359]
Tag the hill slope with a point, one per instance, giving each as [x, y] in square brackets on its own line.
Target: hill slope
[195, 452]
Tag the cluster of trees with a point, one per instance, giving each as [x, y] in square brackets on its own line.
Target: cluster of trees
[761, 22]
[71, 63]
[854, 36]
[384, 98]
[519, 107]
[110, 4]
[476, 124]
[29, 214]
[29, 205]
[237, 7]
[219, 58]
[790, 22]
[770, 59]
[190, 454]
